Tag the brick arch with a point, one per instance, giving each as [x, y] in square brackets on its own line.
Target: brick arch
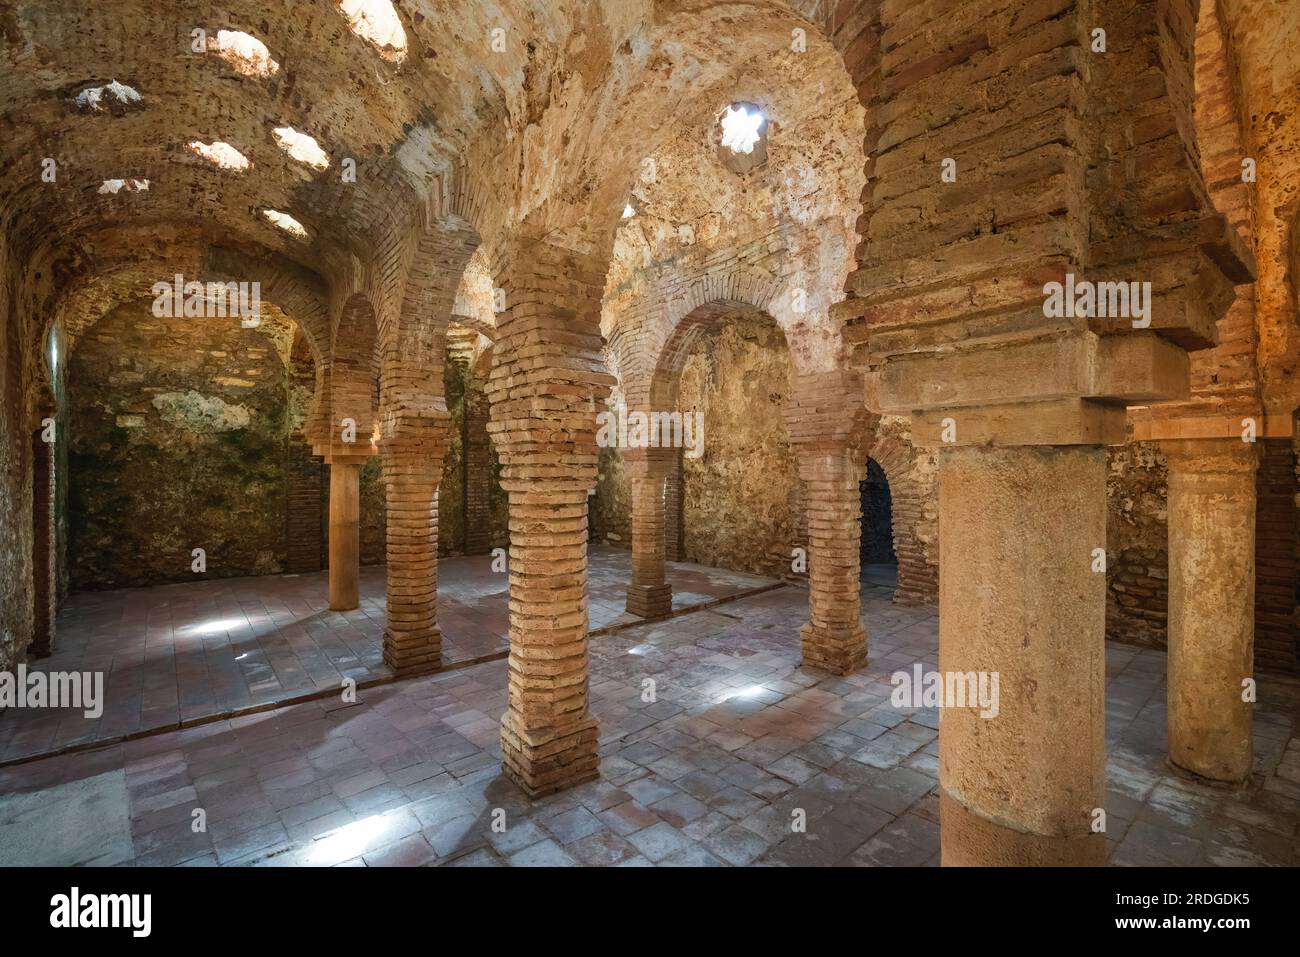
[706, 302]
[350, 384]
[416, 304]
[411, 340]
[85, 298]
[476, 323]
[412, 344]
[918, 580]
[298, 294]
[481, 366]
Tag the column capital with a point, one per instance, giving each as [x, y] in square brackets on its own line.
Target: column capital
[1210, 456]
[826, 412]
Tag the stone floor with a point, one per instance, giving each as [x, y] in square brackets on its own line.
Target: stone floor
[736, 739]
[176, 654]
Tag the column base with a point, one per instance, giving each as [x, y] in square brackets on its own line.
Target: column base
[413, 653]
[840, 653]
[545, 762]
[650, 601]
[1227, 762]
[968, 840]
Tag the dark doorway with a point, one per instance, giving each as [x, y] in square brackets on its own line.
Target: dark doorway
[877, 546]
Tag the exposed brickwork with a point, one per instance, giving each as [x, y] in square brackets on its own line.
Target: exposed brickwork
[909, 305]
[673, 526]
[1137, 597]
[914, 513]
[1066, 163]
[1275, 556]
[415, 439]
[305, 507]
[545, 384]
[829, 428]
[648, 595]
[479, 473]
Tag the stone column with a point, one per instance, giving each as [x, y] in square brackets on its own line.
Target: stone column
[834, 639]
[412, 639]
[345, 536]
[1018, 598]
[988, 341]
[1211, 604]
[547, 378]
[648, 594]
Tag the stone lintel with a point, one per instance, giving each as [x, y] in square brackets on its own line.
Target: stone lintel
[1071, 421]
[1149, 426]
[1140, 367]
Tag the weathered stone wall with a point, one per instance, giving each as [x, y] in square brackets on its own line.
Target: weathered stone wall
[306, 476]
[742, 496]
[451, 493]
[611, 507]
[63, 578]
[282, 526]
[1137, 578]
[178, 430]
[913, 475]
[15, 478]
[1137, 550]
[739, 373]
[1275, 556]
[374, 517]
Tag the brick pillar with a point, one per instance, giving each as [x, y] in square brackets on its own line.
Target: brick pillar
[43, 547]
[345, 540]
[546, 381]
[834, 638]
[828, 427]
[478, 473]
[1211, 604]
[674, 486]
[648, 594]
[412, 474]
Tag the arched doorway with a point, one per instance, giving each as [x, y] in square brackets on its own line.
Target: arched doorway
[876, 549]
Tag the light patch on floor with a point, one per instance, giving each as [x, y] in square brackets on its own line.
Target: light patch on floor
[81, 822]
